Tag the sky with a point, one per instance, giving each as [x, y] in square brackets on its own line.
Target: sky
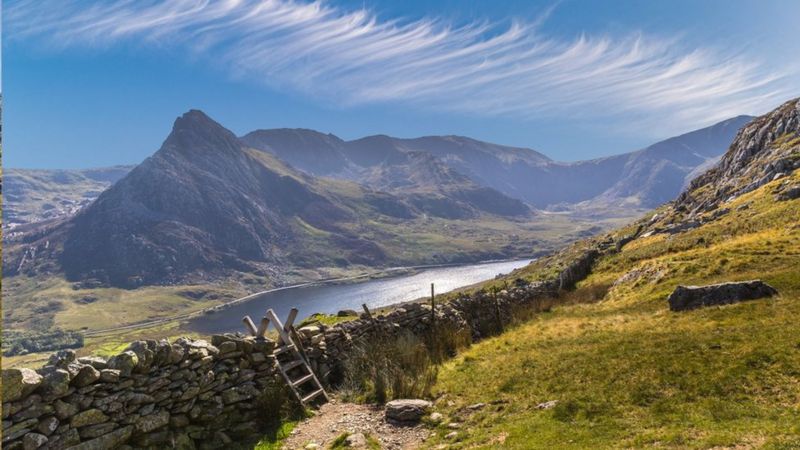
[96, 83]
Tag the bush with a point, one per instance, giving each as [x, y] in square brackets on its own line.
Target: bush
[389, 367]
[21, 343]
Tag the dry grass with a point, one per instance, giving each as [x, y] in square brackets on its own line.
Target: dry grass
[627, 372]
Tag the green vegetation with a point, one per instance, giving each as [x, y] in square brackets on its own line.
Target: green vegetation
[628, 373]
[274, 440]
[21, 343]
[325, 319]
[341, 442]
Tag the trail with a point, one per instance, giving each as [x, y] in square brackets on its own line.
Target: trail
[335, 418]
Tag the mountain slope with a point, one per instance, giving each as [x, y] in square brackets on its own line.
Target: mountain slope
[615, 368]
[33, 195]
[641, 179]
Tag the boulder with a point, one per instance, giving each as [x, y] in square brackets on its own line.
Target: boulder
[407, 410]
[790, 193]
[19, 383]
[690, 297]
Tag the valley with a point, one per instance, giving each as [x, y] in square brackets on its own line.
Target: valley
[211, 218]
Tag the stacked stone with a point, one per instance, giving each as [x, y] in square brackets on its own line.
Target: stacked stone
[155, 394]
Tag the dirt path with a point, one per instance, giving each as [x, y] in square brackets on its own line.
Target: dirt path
[335, 418]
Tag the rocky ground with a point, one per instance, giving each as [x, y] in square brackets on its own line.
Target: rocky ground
[336, 418]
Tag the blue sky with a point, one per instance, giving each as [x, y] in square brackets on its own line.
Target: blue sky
[97, 83]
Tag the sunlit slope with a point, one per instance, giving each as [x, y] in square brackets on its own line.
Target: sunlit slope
[628, 373]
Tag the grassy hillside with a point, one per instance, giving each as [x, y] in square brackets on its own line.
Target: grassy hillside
[628, 373]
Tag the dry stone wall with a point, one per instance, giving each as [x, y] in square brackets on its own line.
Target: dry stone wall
[195, 394]
[186, 394]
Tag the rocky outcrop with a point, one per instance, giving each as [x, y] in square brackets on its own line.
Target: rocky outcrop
[766, 149]
[691, 297]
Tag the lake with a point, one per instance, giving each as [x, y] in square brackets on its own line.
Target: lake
[331, 298]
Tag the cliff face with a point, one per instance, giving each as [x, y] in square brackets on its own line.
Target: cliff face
[767, 148]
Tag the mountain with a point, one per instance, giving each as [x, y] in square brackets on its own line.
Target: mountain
[615, 366]
[206, 205]
[34, 195]
[481, 177]
[640, 179]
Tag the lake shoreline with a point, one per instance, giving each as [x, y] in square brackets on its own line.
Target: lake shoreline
[378, 289]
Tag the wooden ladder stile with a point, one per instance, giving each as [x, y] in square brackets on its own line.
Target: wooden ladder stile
[289, 344]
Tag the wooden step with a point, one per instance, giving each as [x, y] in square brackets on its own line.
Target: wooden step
[302, 380]
[283, 349]
[291, 365]
[313, 395]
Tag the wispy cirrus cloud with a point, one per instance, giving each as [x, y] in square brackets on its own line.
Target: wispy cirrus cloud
[352, 57]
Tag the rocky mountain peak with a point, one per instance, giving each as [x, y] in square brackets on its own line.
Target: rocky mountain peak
[767, 148]
[195, 132]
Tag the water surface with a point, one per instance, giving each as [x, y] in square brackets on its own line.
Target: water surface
[331, 298]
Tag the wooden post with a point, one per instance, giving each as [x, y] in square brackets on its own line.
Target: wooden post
[251, 327]
[366, 311]
[262, 328]
[290, 319]
[497, 310]
[433, 307]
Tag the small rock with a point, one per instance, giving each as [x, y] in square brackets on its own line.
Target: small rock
[88, 417]
[451, 435]
[97, 362]
[547, 405]
[407, 410]
[437, 417]
[311, 446]
[454, 425]
[476, 406]
[356, 440]
[48, 425]
[109, 375]
[32, 441]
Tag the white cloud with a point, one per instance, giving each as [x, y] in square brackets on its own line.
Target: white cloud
[483, 69]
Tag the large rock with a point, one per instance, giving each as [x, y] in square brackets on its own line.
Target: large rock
[690, 297]
[55, 383]
[86, 376]
[125, 362]
[407, 410]
[19, 383]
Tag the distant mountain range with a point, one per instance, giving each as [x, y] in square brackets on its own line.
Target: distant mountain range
[37, 195]
[209, 203]
[641, 179]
